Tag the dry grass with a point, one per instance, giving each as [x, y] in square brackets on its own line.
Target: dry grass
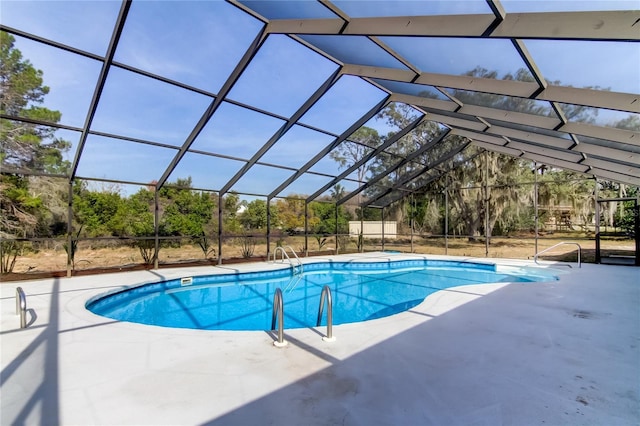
[124, 256]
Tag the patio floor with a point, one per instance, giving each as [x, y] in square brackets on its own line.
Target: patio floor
[563, 352]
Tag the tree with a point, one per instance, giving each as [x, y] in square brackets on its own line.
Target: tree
[323, 220]
[359, 144]
[231, 206]
[185, 212]
[100, 213]
[632, 122]
[24, 146]
[470, 205]
[290, 213]
[139, 210]
[255, 215]
[337, 192]
[420, 139]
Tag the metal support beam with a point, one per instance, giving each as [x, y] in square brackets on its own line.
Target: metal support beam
[499, 14]
[486, 204]
[213, 107]
[615, 160]
[393, 139]
[361, 236]
[102, 79]
[382, 226]
[598, 25]
[220, 216]
[306, 228]
[595, 195]
[156, 228]
[69, 227]
[395, 167]
[283, 129]
[355, 126]
[533, 68]
[431, 179]
[535, 206]
[335, 209]
[521, 89]
[269, 228]
[446, 215]
[49, 42]
[412, 203]
[440, 108]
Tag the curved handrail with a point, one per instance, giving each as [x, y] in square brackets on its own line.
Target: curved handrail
[300, 267]
[283, 254]
[293, 282]
[21, 306]
[535, 258]
[326, 293]
[278, 310]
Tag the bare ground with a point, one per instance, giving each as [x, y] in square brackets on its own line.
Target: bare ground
[53, 261]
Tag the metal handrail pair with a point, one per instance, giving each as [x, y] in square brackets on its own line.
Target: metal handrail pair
[278, 312]
[21, 307]
[277, 316]
[535, 258]
[283, 251]
[326, 294]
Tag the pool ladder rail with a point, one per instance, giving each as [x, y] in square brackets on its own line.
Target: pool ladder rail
[326, 294]
[21, 306]
[277, 317]
[278, 313]
[535, 258]
[296, 267]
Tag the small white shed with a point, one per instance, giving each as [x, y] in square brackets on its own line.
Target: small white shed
[373, 228]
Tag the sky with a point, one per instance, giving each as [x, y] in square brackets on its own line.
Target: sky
[199, 43]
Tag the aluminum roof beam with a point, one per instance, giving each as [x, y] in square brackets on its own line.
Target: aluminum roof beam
[560, 146]
[282, 130]
[598, 26]
[102, 79]
[319, 156]
[204, 119]
[395, 167]
[426, 182]
[563, 94]
[398, 186]
[614, 159]
[621, 172]
[396, 137]
[549, 123]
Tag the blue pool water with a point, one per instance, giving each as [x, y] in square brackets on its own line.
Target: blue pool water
[360, 290]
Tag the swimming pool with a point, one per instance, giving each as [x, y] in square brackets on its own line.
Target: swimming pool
[360, 291]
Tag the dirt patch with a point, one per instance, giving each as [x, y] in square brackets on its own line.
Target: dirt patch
[52, 262]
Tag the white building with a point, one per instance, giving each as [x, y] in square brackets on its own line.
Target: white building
[373, 228]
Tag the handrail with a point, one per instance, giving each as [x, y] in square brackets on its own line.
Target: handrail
[326, 293]
[301, 268]
[284, 254]
[283, 251]
[293, 282]
[21, 306]
[535, 258]
[278, 309]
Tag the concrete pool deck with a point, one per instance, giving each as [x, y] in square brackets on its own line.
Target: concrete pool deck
[562, 352]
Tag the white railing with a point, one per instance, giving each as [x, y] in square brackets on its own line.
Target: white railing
[535, 258]
[297, 268]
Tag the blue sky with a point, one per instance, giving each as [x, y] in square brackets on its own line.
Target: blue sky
[199, 44]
